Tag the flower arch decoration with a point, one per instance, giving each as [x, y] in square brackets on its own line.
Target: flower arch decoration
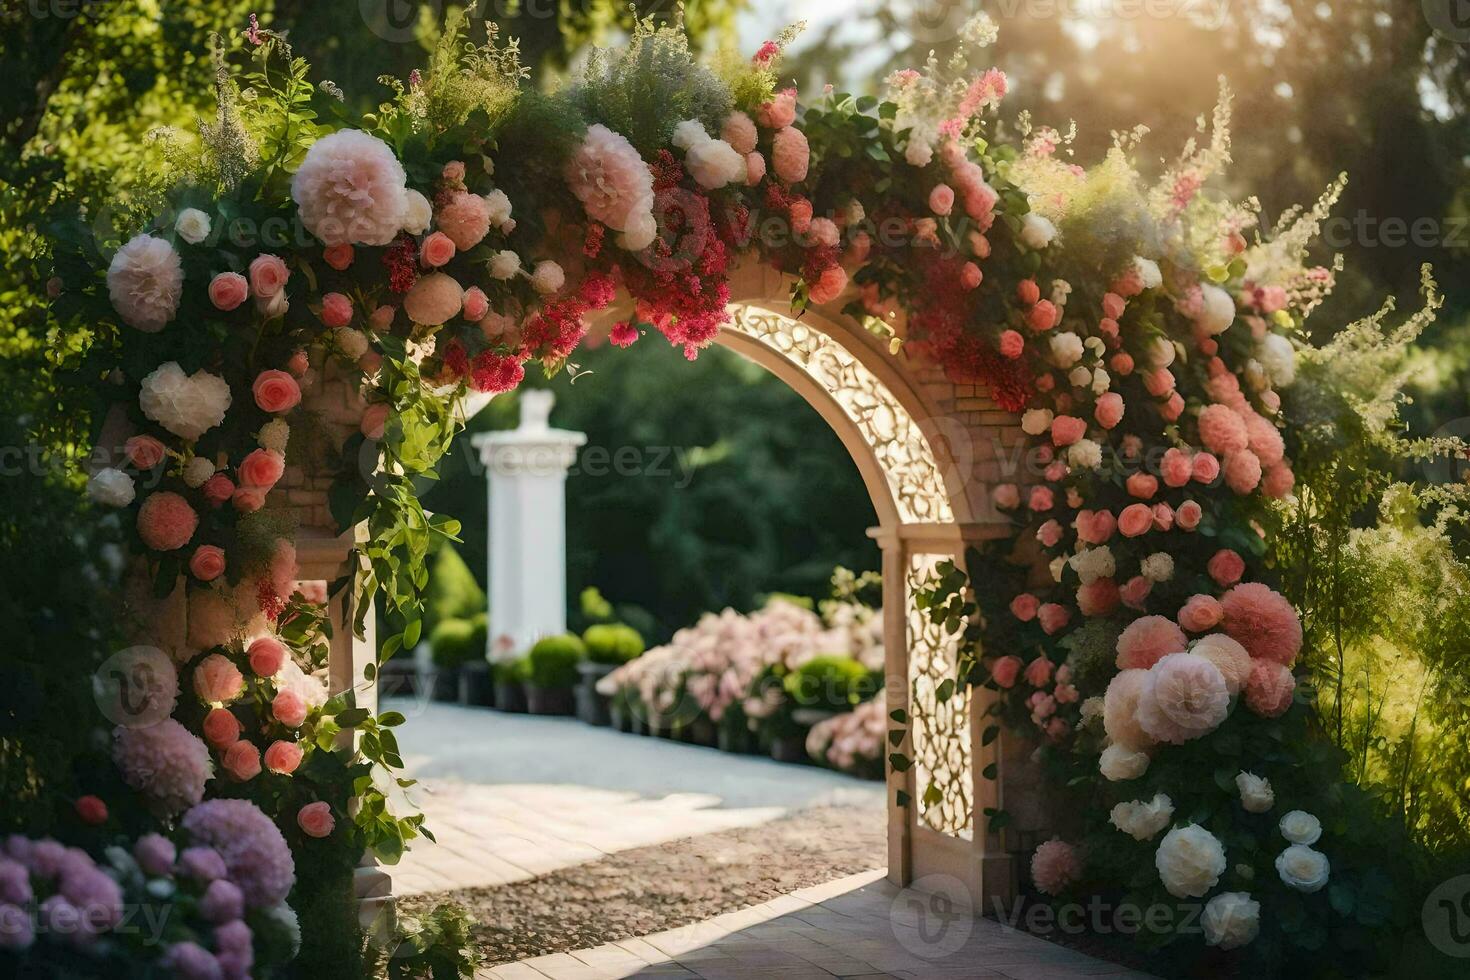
[1143, 335]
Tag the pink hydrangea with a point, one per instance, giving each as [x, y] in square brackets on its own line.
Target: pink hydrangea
[165, 762]
[166, 522]
[1242, 471]
[1269, 689]
[1054, 866]
[188, 960]
[255, 854]
[155, 854]
[1147, 640]
[1200, 613]
[1263, 622]
[464, 219]
[790, 155]
[351, 189]
[435, 299]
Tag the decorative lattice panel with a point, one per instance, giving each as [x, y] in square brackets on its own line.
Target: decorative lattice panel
[903, 452]
[940, 728]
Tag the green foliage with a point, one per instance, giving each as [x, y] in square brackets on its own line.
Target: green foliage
[516, 671]
[612, 643]
[832, 682]
[453, 592]
[595, 608]
[436, 946]
[554, 660]
[455, 642]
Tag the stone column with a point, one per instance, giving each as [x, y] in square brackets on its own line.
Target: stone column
[527, 469]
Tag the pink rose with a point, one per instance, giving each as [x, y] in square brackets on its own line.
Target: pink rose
[1024, 607]
[1042, 316]
[1007, 496]
[1099, 597]
[1095, 526]
[242, 761]
[1121, 363]
[1200, 613]
[374, 419]
[1067, 429]
[221, 727]
[267, 656]
[336, 310]
[436, 250]
[1049, 533]
[248, 500]
[276, 391]
[1142, 485]
[1205, 468]
[1269, 689]
[315, 819]
[1175, 468]
[299, 363]
[268, 275]
[207, 563]
[941, 199]
[262, 468]
[1005, 670]
[1136, 520]
[338, 257]
[289, 708]
[1041, 499]
[476, 304]
[1113, 305]
[1226, 567]
[1038, 672]
[1027, 292]
[228, 290]
[1163, 516]
[1172, 408]
[1109, 409]
[217, 680]
[1134, 593]
[1053, 617]
[218, 488]
[1012, 344]
[144, 452]
[1188, 515]
[283, 757]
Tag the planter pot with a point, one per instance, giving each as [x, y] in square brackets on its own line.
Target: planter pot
[702, 731]
[446, 684]
[475, 685]
[398, 677]
[550, 700]
[510, 696]
[592, 707]
[619, 717]
[789, 748]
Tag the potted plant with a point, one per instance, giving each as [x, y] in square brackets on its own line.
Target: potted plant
[820, 689]
[452, 644]
[510, 677]
[553, 669]
[609, 646]
[476, 687]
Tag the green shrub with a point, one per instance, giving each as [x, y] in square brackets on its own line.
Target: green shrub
[453, 592]
[554, 661]
[516, 671]
[832, 682]
[458, 641]
[612, 643]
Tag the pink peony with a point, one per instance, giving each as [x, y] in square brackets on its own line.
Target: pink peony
[1229, 657]
[338, 257]
[1226, 567]
[289, 708]
[166, 522]
[1263, 622]
[613, 183]
[1054, 866]
[1053, 617]
[268, 275]
[1134, 593]
[433, 300]
[228, 290]
[1200, 613]
[262, 468]
[1147, 640]
[1120, 710]
[1186, 699]
[1175, 468]
[1109, 409]
[217, 680]
[1067, 429]
[254, 852]
[1099, 597]
[283, 757]
[1221, 430]
[739, 131]
[1269, 689]
[207, 563]
[1136, 520]
[1005, 670]
[315, 819]
[242, 761]
[1024, 607]
[351, 189]
[267, 656]
[464, 220]
[221, 728]
[790, 155]
[1188, 515]
[164, 762]
[276, 391]
[1242, 471]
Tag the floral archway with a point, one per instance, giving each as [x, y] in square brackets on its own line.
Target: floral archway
[287, 332]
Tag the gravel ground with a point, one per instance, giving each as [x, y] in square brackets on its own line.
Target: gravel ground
[649, 889]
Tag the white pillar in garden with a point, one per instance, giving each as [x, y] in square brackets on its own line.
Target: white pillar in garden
[527, 469]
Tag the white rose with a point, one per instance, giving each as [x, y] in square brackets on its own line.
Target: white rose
[714, 163]
[192, 225]
[1190, 861]
[1060, 290]
[548, 277]
[689, 133]
[1066, 349]
[1255, 792]
[1035, 421]
[417, 213]
[1101, 381]
[1219, 311]
[1037, 232]
[1084, 454]
[1231, 920]
[1057, 564]
[1118, 762]
[273, 306]
[1148, 272]
[186, 405]
[1080, 377]
[504, 264]
[1162, 352]
[1278, 358]
[1143, 821]
[1158, 567]
[1300, 827]
[197, 470]
[353, 343]
[499, 206]
[111, 487]
[274, 435]
[855, 212]
[1302, 868]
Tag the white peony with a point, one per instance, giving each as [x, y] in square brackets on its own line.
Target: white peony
[352, 343]
[1035, 421]
[1037, 232]
[1278, 358]
[1079, 377]
[1091, 564]
[1084, 454]
[1219, 310]
[499, 206]
[548, 277]
[111, 487]
[186, 405]
[689, 133]
[1302, 868]
[1148, 272]
[1231, 920]
[145, 281]
[417, 213]
[274, 435]
[1190, 861]
[1143, 821]
[1300, 827]
[1256, 795]
[351, 190]
[1119, 762]
[714, 163]
[197, 470]
[1157, 567]
[504, 264]
[193, 225]
[1066, 349]
[1101, 381]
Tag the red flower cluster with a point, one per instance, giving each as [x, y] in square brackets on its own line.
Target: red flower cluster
[496, 373]
[680, 283]
[401, 260]
[940, 322]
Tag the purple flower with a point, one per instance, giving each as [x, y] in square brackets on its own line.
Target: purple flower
[15, 883]
[190, 961]
[202, 863]
[222, 902]
[255, 853]
[155, 854]
[17, 931]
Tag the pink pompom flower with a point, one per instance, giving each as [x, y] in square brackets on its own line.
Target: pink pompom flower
[790, 155]
[1055, 866]
[1147, 640]
[1263, 621]
[166, 522]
